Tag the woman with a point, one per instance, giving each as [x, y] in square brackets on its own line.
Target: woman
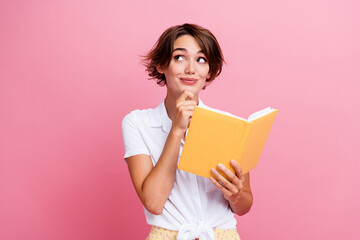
[178, 204]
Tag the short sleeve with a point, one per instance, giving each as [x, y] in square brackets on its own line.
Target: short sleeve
[133, 141]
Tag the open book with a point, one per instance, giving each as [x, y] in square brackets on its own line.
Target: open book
[218, 137]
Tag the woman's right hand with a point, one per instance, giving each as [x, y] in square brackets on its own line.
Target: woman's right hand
[185, 106]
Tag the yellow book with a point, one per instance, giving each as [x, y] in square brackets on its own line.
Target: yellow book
[218, 137]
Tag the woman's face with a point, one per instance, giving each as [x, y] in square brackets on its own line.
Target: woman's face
[188, 68]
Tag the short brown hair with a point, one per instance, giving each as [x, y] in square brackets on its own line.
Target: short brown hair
[160, 55]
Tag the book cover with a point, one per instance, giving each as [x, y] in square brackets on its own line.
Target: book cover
[218, 137]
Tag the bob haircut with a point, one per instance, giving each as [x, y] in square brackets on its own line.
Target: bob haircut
[160, 55]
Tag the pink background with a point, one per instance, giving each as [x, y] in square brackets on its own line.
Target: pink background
[70, 71]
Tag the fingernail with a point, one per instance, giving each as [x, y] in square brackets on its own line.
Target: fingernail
[220, 166]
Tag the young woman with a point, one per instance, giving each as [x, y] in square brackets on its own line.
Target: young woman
[178, 204]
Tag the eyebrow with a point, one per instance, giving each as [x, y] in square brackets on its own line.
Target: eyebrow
[184, 49]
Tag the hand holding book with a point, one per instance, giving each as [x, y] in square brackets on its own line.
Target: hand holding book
[235, 182]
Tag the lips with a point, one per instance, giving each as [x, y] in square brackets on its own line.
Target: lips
[189, 81]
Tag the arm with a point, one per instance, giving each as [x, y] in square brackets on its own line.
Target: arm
[153, 184]
[237, 191]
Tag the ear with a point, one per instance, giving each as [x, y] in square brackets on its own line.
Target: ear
[160, 69]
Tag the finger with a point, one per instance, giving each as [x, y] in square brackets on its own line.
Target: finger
[189, 102]
[219, 186]
[186, 103]
[190, 95]
[186, 108]
[187, 114]
[237, 169]
[233, 178]
[188, 98]
[225, 183]
[185, 94]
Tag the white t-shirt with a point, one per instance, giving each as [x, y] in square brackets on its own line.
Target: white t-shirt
[195, 205]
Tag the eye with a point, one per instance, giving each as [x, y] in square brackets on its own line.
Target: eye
[202, 60]
[178, 58]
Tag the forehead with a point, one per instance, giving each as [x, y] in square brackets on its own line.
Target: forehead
[188, 42]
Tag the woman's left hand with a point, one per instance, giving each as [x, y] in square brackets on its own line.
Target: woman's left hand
[232, 188]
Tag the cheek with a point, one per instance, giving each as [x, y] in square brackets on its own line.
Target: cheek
[168, 73]
[173, 70]
[205, 73]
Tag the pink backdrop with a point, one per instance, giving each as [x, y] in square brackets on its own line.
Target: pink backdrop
[70, 71]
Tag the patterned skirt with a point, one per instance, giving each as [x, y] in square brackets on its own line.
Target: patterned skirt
[158, 233]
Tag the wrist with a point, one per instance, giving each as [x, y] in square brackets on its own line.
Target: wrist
[177, 132]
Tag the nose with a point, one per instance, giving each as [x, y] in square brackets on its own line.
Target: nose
[190, 67]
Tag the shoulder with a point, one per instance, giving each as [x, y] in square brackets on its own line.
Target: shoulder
[137, 116]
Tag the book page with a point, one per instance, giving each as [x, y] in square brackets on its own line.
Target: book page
[260, 113]
[223, 112]
[253, 116]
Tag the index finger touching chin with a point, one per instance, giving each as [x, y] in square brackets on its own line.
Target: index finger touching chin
[189, 95]
[185, 95]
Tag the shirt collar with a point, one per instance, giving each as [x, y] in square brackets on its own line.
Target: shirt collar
[160, 118]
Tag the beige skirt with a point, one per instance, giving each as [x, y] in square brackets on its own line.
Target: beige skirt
[158, 233]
